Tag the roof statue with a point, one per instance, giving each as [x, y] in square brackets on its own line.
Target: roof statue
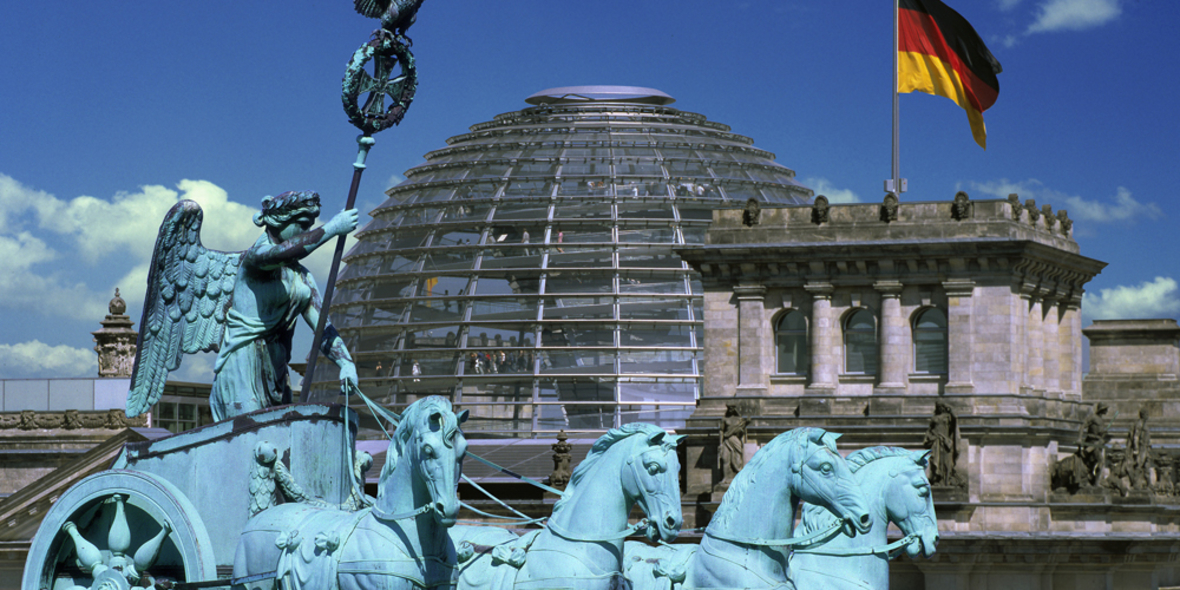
[242, 305]
[396, 15]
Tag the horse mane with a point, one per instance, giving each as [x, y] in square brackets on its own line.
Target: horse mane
[601, 446]
[817, 518]
[409, 422]
[860, 458]
[745, 478]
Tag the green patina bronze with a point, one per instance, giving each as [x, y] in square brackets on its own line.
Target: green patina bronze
[272, 497]
[243, 305]
[394, 78]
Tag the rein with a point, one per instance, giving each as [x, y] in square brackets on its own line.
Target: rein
[627, 532]
[887, 550]
[383, 515]
[511, 473]
[825, 534]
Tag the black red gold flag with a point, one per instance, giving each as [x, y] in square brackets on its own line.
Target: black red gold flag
[938, 52]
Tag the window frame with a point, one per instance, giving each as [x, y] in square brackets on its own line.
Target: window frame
[803, 359]
[916, 341]
[846, 332]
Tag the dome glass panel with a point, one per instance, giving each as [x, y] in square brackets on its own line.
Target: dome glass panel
[528, 267]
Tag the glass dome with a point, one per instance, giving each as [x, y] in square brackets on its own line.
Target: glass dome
[527, 270]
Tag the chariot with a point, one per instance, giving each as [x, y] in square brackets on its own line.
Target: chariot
[170, 511]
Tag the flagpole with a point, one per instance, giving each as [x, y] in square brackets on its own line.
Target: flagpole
[895, 186]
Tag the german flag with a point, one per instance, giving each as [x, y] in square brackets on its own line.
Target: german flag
[938, 52]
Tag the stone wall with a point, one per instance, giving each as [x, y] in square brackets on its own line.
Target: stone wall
[1010, 284]
[1009, 278]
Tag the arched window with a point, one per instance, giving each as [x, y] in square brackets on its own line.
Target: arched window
[860, 343]
[930, 341]
[790, 338]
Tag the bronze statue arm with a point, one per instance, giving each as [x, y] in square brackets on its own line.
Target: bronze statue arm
[279, 253]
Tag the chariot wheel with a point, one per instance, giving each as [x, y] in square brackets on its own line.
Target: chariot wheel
[108, 527]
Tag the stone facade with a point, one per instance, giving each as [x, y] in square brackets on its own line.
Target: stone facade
[1135, 364]
[998, 279]
[1002, 348]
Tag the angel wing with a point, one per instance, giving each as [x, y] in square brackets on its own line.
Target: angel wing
[190, 290]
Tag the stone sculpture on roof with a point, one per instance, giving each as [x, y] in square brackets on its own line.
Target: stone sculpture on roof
[115, 342]
[942, 438]
[1139, 453]
[1092, 442]
[731, 451]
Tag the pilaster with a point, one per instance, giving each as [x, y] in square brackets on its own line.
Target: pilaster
[1069, 337]
[1051, 345]
[960, 332]
[752, 369]
[1033, 342]
[824, 359]
[893, 345]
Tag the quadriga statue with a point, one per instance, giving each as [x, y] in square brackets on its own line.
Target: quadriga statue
[749, 539]
[242, 305]
[581, 547]
[894, 482]
[398, 543]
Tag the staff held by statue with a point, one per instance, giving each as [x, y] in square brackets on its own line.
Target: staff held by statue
[394, 77]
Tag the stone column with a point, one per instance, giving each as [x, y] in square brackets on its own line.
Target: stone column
[1035, 343]
[752, 371]
[892, 344]
[824, 360]
[960, 333]
[1069, 338]
[1051, 342]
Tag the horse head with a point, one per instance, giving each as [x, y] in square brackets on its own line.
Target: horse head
[823, 478]
[910, 505]
[429, 441]
[652, 477]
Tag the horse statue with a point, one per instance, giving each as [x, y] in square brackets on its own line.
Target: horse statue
[895, 480]
[400, 542]
[581, 548]
[747, 542]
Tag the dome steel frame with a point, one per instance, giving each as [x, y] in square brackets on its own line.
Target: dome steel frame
[541, 241]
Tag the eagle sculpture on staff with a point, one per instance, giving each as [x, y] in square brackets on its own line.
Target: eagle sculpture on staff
[242, 305]
[396, 15]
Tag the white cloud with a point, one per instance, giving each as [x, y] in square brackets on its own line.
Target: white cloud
[17, 199]
[1074, 15]
[1155, 299]
[130, 221]
[54, 294]
[1123, 208]
[823, 186]
[28, 360]
[115, 233]
[1006, 5]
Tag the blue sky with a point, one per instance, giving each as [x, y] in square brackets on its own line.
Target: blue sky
[111, 111]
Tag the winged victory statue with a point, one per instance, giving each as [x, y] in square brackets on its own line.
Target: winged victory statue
[242, 305]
